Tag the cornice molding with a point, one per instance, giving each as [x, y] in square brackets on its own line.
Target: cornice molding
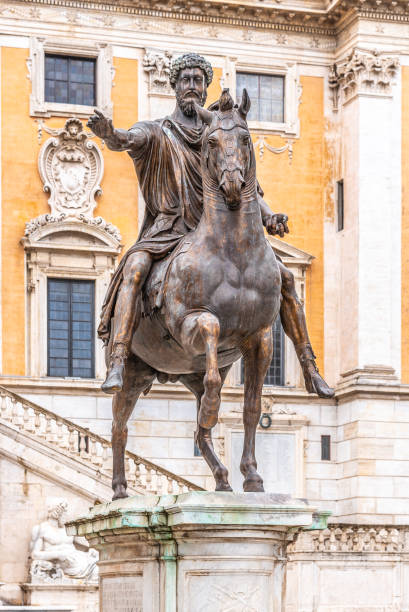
[267, 20]
[256, 15]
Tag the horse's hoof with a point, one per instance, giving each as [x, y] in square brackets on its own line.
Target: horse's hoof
[119, 493]
[223, 486]
[253, 485]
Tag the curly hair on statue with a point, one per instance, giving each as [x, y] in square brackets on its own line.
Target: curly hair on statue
[190, 60]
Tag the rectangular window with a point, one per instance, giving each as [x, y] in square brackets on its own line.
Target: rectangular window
[266, 94]
[340, 205]
[70, 320]
[70, 80]
[276, 371]
[325, 448]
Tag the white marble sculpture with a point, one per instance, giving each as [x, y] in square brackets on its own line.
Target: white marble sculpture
[56, 557]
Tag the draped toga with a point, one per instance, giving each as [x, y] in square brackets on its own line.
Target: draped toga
[168, 168]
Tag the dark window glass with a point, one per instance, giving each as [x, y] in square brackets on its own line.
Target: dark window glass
[266, 94]
[70, 80]
[325, 448]
[275, 373]
[340, 205]
[70, 328]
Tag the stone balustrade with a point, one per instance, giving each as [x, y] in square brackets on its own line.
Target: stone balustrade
[93, 450]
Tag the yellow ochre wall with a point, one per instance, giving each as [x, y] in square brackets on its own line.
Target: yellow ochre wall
[297, 189]
[22, 199]
[22, 194]
[405, 226]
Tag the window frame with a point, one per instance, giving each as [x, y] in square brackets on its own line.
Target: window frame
[292, 94]
[261, 74]
[93, 317]
[104, 73]
[69, 81]
[72, 251]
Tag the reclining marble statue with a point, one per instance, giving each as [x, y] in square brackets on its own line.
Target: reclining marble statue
[57, 557]
[201, 287]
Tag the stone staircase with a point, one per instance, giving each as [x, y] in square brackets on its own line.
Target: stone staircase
[30, 425]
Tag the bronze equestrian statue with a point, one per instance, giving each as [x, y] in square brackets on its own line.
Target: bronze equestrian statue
[219, 290]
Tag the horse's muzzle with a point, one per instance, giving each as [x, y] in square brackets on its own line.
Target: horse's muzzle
[232, 184]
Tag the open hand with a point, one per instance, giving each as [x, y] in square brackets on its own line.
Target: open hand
[277, 224]
[100, 125]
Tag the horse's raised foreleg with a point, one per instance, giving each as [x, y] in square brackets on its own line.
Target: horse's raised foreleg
[203, 437]
[137, 377]
[257, 353]
[209, 328]
[201, 331]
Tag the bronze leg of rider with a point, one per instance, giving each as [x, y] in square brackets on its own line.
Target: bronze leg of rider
[134, 275]
[295, 326]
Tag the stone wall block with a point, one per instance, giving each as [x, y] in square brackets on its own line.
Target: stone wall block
[151, 448]
[75, 407]
[151, 409]
[182, 410]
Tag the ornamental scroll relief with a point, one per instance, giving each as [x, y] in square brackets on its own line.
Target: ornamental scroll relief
[71, 167]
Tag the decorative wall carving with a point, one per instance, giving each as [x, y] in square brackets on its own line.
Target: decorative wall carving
[363, 73]
[353, 539]
[267, 405]
[261, 144]
[157, 65]
[321, 22]
[55, 559]
[48, 219]
[71, 167]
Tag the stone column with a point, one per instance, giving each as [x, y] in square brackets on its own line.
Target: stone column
[198, 551]
[371, 417]
[370, 303]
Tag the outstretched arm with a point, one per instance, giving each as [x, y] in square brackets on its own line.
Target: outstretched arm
[116, 139]
[275, 223]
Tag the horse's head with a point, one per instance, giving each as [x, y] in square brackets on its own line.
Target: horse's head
[226, 150]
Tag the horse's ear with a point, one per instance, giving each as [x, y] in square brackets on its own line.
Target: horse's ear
[244, 104]
[205, 115]
[213, 107]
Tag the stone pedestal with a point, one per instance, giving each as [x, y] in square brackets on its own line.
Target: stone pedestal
[195, 552]
[71, 597]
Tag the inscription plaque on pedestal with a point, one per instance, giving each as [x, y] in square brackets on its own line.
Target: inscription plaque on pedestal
[122, 594]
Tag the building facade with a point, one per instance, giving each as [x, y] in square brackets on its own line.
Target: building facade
[329, 83]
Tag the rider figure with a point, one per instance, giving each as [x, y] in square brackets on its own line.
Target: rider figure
[166, 155]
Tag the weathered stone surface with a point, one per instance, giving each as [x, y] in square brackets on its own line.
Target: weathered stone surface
[201, 550]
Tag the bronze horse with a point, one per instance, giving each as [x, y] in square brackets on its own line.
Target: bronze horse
[221, 298]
